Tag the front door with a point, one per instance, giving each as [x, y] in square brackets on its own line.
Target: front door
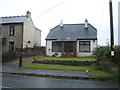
[69, 50]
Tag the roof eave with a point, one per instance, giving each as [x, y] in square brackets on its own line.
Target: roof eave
[50, 39]
[87, 39]
[11, 23]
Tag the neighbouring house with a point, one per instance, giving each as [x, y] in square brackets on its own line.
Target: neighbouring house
[19, 32]
[71, 40]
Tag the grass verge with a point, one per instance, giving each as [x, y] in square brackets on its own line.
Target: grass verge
[94, 74]
[56, 67]
[66, 77]
[103, 75]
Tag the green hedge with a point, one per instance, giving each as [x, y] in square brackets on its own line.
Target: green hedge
[104, 61]
[104, 54]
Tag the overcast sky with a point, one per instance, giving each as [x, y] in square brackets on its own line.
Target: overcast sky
[47, 14]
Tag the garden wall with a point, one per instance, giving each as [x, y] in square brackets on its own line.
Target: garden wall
[27, 52]
[61, 62]
[8, 56]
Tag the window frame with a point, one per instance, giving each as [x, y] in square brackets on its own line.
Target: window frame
[85, 43]
[58, 43]
[12, 30]
[11, 47]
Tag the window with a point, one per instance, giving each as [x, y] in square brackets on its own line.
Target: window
[11, 46]
[12, 30]
[84, 46]
[68, 46]
[56, 46]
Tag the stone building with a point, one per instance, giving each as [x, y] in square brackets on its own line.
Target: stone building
[19, 32]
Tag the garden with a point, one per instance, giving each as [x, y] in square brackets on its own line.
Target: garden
[104, 68]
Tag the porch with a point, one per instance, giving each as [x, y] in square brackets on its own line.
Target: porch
[67, 48]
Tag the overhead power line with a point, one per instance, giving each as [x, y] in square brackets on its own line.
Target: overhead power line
[50, 9]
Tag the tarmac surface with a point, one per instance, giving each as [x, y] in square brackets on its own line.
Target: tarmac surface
[20, 81]
[13, 67]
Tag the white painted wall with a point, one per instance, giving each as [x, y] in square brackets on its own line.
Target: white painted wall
[49, 49]
[28, 33]
[93, 45]
[79, 54]
[37, 37]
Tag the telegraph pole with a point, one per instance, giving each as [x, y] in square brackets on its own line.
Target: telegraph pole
[111, 29]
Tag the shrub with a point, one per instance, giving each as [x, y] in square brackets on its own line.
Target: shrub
[104, 54]
[117, 55]
[104, 61]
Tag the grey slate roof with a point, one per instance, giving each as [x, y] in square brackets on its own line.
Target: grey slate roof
[72, 32]
[13, 19]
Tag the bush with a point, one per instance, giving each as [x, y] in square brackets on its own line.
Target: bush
[117, 55]
[104, 54]
[104, 61]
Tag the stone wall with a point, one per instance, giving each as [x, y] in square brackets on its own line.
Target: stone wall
[9, 56]
[61, 62]
[27, 52]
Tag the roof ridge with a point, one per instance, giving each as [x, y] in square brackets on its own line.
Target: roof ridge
[13, 16]
[76, 24]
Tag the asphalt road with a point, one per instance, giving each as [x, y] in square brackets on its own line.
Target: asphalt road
[19, 81]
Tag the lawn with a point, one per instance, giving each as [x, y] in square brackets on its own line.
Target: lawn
[56, 67]
[61, 58]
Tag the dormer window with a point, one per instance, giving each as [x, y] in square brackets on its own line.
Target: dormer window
[12, 30]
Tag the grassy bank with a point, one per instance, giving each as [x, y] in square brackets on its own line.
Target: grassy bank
[94, 74]
[56, 67]
[92, 70]
[61, 58]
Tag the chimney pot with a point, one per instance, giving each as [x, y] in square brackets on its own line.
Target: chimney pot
[61, 24]
[86, 23]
